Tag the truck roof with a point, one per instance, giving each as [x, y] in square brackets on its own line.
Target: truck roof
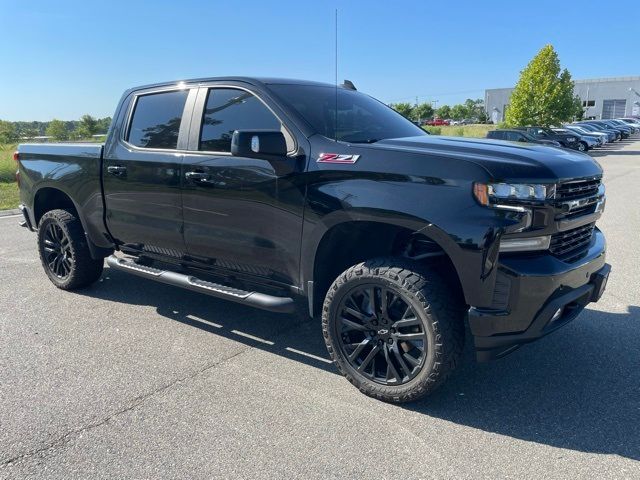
[250, 80]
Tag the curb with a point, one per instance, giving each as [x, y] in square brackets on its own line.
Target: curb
[8, 213]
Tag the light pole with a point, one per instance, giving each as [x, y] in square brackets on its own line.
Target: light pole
[434, 105]
[635, 104]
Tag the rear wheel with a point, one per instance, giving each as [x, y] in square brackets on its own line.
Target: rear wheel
[64, 252]
[393, 329]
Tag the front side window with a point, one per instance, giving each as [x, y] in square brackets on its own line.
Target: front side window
[230, 109]
[156, 120]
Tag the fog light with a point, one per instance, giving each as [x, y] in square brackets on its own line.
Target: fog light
[525, 244]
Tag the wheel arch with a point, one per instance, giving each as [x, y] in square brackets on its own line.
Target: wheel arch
[349, 242]
[48, 198]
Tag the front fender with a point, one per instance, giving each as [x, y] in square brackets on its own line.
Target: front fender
[445, 212]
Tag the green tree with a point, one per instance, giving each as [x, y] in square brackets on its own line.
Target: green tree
[103, 125]
[404, 109]
[57, 130]
[475, 108]
[87, 127]
[544, 94]
[458, 112]
[578, 109]
[444, 112]
[423, 111]
[29, 133]
[8, 132]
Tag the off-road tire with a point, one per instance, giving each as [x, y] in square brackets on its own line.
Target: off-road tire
[83, 270]
[438, 305]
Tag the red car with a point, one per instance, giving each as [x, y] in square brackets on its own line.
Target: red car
[437, 122]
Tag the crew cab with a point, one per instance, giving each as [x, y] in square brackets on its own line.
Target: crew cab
[265, 191]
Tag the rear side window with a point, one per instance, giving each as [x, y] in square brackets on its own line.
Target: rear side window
[156, 120]
[229, 109]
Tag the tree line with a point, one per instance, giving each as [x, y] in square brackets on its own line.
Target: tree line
[470, 109]
[58, 130]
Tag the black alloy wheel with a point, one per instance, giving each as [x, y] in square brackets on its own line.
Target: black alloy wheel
[64, 251]
[57, 251]
[394, 328]
[381, 335]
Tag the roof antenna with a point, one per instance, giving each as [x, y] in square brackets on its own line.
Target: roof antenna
[335, 116]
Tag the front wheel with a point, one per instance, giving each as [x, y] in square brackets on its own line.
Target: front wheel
[393, 329]
[64, 252]
[582, 147]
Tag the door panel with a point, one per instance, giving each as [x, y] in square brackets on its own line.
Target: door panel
[144, 205]
[142, 172]
[240, 213]
[235, 219]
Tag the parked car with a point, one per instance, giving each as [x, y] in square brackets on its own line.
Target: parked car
[613, 134]
[634, 128]
[396, 238]
[631, 121]
[587, 142]
[623, 131]
[514, 135]
[437, 122]
[612, 123]
[566, 139]
[580, 130]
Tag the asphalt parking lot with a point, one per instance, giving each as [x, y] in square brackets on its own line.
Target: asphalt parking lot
[133, 379]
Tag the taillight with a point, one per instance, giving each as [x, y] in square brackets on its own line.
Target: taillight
[16, 158]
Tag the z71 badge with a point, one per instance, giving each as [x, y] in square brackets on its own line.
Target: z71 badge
[336, 158]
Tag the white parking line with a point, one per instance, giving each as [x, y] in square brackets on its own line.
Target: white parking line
[202, 320]
[310, 355]
[253, 337]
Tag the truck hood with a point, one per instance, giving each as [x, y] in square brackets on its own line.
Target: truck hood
[502, 160]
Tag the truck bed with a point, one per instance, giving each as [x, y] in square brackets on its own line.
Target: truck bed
[73, 168]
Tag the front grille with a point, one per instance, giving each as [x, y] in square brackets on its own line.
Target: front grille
[564, 244]
[578, 189]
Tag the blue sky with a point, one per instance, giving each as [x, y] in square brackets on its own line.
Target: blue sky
[65, 58]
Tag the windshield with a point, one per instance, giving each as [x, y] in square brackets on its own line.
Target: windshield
[360, 119]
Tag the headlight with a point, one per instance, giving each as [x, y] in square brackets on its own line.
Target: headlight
[491, 193]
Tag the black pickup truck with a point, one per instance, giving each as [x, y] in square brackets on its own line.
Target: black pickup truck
[261, 191]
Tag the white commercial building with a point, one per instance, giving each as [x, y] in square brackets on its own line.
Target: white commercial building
[601, 98]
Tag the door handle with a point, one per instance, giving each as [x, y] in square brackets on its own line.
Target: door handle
[197, 176]
[117, 170]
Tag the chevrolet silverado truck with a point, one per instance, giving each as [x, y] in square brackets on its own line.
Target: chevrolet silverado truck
[266, 192]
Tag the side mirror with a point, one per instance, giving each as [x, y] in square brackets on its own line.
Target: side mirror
[268, 144]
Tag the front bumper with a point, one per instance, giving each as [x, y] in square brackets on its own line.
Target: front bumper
[534, 296]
